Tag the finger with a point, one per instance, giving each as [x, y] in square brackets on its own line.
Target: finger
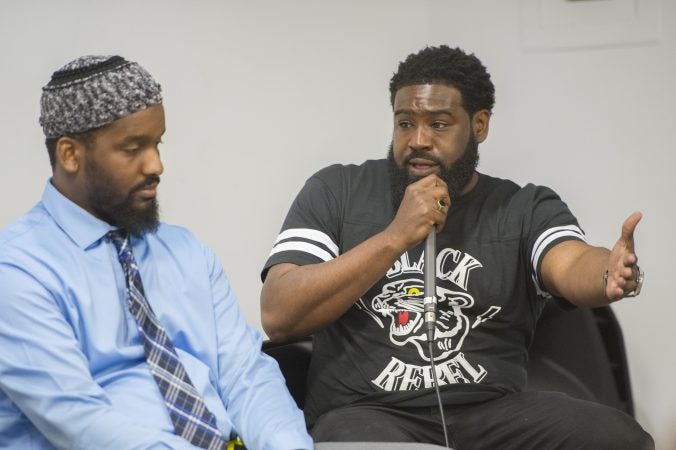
[440, 189]
[441, 212]
[629, 259]
[439, 224]
[626, 281]
[437, 179]
[628, 228]
[442, 201]
[617, 293]
[431, 180]
[627, 273]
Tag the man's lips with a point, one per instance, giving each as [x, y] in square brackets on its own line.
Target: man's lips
[422, 166]
[149, 191]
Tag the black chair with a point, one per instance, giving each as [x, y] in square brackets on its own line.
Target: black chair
[579, 352]
[294, 360]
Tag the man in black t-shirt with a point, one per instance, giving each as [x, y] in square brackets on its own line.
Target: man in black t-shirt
[348, 268]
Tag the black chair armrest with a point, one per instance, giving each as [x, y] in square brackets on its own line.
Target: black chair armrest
[294, 360]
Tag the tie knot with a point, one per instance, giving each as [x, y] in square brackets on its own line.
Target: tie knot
[124, 253]
[120, 238]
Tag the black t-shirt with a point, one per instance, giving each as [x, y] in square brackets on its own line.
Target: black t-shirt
[488, 291]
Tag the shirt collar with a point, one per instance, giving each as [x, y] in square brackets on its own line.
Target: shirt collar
[81, 226]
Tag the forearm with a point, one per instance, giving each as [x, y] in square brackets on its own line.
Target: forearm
[252, 387]
[582, 283]
[594, 276]
[299, 300]
[75, 420]
[264, 413]
[116, 431]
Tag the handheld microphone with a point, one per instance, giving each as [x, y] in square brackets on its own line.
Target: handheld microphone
[430, 301]
[430, 310]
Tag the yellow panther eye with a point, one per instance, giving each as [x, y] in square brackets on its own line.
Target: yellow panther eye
[413, 291]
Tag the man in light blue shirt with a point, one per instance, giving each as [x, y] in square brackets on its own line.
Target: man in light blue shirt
[73, 371]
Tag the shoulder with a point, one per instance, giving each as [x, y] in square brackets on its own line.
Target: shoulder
[177, 247]
[538, 212]
[497, 186]
[25, 231]
[537, 191]
[528, 210]
[347, 182]
[501, 190]
[337, 173]
[540, 201]
[171, 232]
[490, 193]
[175, 237]
[33, 257]
[180, 243]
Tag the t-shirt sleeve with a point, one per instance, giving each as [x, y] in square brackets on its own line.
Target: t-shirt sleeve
[311, 229]
[547, 222]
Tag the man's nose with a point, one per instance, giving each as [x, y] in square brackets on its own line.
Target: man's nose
[152, 164]
[421, 139]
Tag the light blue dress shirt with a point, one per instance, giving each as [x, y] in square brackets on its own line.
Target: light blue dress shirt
[73, 372]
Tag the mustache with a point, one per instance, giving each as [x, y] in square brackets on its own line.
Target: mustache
[422, 154]
[149, 181]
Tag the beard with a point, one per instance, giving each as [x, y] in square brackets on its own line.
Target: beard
[456, 177]
[118, 209]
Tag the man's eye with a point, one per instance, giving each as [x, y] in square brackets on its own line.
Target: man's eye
[439, 125]
[405, 124]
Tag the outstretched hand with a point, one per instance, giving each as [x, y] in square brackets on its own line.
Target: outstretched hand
[623, 271]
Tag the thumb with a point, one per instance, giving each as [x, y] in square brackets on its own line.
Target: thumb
[628, 228]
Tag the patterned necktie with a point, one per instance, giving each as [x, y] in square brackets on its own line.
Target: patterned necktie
[190, 416]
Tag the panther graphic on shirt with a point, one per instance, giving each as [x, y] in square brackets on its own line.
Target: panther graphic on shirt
[398, 310]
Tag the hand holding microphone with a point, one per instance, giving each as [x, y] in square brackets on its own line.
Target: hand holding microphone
[421, 213]
[425, 203]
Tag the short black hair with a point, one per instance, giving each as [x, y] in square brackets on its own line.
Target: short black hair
[451, 67]
[87, 138]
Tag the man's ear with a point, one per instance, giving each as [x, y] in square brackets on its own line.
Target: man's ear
[480, 123]
[69, 153]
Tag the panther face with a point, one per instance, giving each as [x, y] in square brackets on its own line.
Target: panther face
[402, 302]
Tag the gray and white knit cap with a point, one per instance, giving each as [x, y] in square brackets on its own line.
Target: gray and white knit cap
[92, 91]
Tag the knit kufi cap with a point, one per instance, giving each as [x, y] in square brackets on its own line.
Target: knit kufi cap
[93, 91]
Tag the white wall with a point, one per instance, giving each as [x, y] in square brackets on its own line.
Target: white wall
[597, 125]
[260, 94]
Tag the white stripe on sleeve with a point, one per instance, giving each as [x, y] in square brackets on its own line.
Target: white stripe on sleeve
[550, 235]
[302, 246]
[309, 234]
[296, 239]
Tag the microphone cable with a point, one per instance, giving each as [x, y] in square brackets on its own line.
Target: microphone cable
[430, 316]
[436, 388]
